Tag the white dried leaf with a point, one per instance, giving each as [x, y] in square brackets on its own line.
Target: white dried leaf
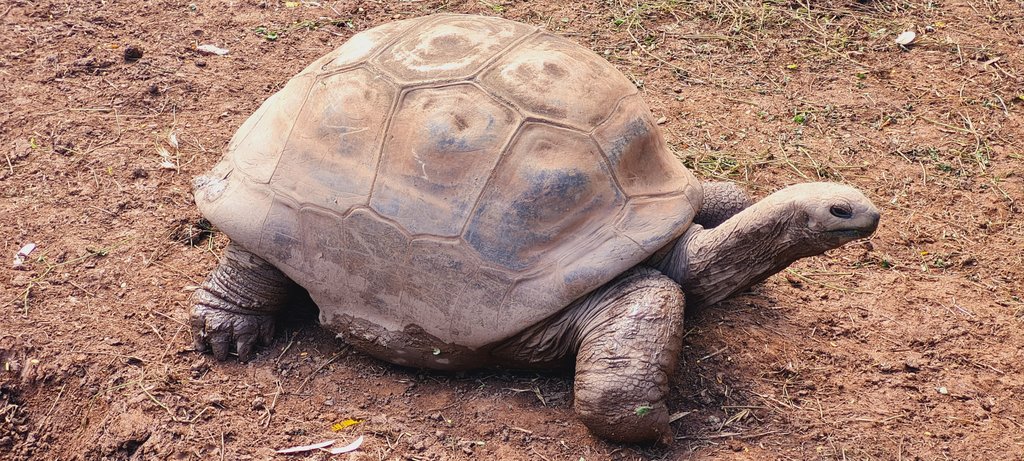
[168, 165]
[172, 139]
[347, 448]
[211, 49]
[302, 448]
[22, 255]
[163, 152]
[906, 38]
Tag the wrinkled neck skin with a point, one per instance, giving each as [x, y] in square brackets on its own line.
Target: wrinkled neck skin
[713, 264]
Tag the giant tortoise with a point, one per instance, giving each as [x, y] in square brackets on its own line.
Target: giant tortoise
[460, 191]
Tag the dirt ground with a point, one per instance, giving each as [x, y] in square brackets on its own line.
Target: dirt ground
[905, 346]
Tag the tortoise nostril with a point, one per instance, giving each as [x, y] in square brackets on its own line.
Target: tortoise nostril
[841, 211]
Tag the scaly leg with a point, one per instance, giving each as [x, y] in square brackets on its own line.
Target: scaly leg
[722, 200]
[626, 337]
[236, 304]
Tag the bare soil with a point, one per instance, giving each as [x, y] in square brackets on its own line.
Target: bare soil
[904, 346]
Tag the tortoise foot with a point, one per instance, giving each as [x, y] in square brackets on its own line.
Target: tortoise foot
[629, 351]
[219, 329]
[236, 305]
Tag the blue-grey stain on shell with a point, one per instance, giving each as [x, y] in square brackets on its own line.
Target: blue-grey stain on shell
[636, 129]
[550, 190]
[442, 146]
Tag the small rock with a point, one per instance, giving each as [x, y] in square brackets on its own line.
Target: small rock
[200, 63]
[132, 53]
[258, 403]
[215, 399]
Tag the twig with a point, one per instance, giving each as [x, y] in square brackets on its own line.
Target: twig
[724, 435]
[321, 367]
[824, 284]
[161, 404]
[56, 400]
[285, 351]
[534, 451]
[179, 322]
[712, 354]
[273, 405]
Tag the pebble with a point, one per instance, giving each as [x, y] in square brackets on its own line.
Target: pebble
[132, 53]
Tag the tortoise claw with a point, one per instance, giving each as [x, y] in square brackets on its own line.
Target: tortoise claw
[219, 329]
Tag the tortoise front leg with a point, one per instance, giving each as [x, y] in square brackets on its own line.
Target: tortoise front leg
[722, 200]
[236, 304]
[627, 353]
[627, 336]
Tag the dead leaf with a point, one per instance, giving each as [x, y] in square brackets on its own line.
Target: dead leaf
[906, 38]
[22, 255]
[211, 49]
[315, 446]
[347, 448]
[344, 424]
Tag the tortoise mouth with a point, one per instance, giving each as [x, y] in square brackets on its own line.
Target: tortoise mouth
[852, 233]
[855, 232]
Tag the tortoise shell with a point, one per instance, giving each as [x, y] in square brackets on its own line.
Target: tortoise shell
[468, 176]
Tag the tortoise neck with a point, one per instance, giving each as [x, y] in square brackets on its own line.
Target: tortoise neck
[713, 264]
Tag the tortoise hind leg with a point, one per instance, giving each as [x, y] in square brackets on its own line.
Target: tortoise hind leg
[626, 337]
[237, 303]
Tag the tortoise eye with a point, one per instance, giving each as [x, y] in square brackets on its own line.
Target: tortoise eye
[841, 211]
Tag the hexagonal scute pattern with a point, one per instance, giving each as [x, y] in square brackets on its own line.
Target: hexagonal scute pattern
[280, 241]
[357, 262]
[637, 152]
[332, 152]
[257, 145]
[551, 192]
[449, 294]
[557, 79]
[364, 44]
[455, 48]
[441, 147]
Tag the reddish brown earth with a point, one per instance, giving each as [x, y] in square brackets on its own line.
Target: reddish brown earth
[905, 346]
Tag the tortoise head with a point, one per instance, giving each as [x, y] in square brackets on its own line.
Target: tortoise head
[821, 216]
[795, 222]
